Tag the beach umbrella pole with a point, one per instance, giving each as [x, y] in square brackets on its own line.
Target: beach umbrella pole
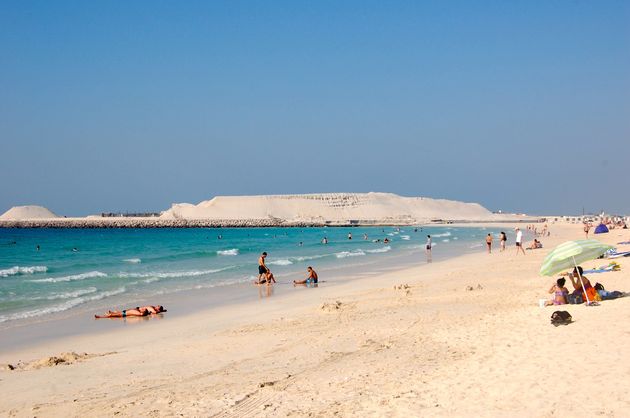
[588, 302]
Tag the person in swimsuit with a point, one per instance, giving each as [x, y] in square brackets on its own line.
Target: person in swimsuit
[153, 309]
[560, 293]
[489, 243]
[312, 277]
[582, 284]
[503, 239]
[587, 228]
[124, 313]
[263, 270]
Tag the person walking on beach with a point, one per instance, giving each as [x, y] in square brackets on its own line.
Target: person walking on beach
[502, 239]
[263, 270]
[519, 241]
[428, 248]
[587, 228]
[489, 243]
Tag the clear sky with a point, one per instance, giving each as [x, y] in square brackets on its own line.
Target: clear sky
[517, 105]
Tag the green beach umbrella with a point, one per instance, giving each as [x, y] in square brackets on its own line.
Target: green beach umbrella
[570, 254]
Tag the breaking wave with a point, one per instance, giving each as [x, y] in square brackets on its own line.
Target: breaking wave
[71, 278]
[14, 271]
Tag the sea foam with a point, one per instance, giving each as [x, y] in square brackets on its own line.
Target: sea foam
[345, 254]
[173, 274]
[281, 262]
[71, 278]
[133, 260]
[61, 307]
[233, 251]
[380, 250]
[13, 271]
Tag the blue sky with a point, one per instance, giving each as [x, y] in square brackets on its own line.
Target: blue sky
[520, 106]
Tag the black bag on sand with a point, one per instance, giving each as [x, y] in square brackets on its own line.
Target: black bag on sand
[561, 318]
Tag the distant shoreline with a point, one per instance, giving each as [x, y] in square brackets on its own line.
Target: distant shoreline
[156, 223]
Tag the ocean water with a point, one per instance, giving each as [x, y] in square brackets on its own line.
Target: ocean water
[110, 268]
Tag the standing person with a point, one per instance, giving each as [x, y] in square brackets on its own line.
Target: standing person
[365, 237]
[325, 240]
[519, 241]
[263, 270]
[489, 243]
[428, 248]
[502, 239]
[349, 235]
[587, 228]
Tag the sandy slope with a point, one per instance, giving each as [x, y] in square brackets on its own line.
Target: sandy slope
[362, 349]
[330, 207]
[17, 213]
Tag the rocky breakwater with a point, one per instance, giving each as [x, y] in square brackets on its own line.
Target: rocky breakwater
[150, 223]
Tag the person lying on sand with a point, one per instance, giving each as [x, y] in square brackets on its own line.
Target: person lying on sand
[311, 278]
[138, 311]
[153, 309]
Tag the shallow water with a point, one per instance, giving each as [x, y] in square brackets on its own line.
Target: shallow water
[110, 268]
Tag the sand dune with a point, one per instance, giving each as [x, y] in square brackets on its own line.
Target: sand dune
[18, 213]
[330, 207]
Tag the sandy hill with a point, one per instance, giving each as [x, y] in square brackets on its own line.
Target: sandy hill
[330, 207]
[18, 213]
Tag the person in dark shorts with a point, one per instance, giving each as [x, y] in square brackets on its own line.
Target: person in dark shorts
[264, 274]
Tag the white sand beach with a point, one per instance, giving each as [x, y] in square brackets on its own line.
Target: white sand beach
[463, 337]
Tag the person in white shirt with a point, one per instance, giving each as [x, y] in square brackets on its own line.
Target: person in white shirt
[519, 241]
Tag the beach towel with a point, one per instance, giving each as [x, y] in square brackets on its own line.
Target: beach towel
[617, 255]
[604, 269]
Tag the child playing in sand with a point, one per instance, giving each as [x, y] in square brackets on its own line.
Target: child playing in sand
[560, 293]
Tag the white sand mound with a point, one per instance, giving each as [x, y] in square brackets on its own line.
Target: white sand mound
[18, 213]
[335, 207]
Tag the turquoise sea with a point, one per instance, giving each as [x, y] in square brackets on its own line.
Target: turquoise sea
[100, 269]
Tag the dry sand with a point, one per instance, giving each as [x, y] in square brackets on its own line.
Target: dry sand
[28, 212]
[416, 342]
[332, 207]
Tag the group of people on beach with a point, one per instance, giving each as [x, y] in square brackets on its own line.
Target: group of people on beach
[518, 242]
[583, 291]
[265, 276]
